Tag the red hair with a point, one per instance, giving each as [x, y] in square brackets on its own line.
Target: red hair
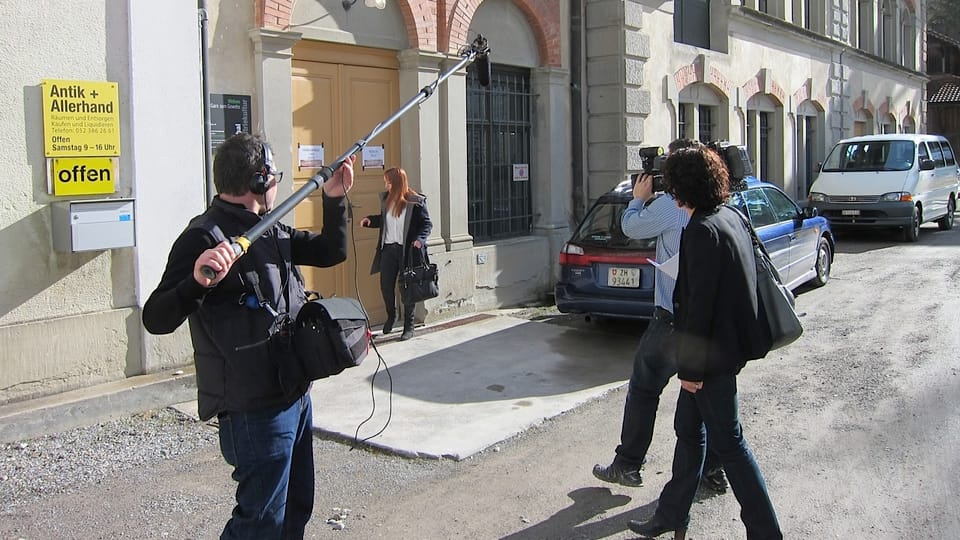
[399, 189]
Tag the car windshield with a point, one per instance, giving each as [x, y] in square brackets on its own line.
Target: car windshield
[601, 228]
[871, 156]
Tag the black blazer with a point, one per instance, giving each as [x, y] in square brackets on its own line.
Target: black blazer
[416, 226]
[715, 299]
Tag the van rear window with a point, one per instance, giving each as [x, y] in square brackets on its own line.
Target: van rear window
[871, 156]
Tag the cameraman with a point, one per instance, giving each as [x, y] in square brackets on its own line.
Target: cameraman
[649, 216]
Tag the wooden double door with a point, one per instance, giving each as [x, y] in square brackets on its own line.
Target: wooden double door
[339, 94]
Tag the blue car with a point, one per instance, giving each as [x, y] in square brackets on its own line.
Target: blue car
[605, 273]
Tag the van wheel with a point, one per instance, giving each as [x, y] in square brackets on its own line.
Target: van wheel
[912, 232]
[824, 259]
[946, 222]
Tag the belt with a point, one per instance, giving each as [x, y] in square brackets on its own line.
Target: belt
[662, 314]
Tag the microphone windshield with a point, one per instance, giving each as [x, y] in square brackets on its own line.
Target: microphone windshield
[482, 63]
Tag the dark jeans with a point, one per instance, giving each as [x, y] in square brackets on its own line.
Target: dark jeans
[712, 413]
[391, 262]
[653, 365]
[272, 457]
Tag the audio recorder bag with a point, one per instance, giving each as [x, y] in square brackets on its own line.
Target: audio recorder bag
[330, 335]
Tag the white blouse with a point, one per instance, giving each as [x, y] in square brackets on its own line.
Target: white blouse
[394, 227]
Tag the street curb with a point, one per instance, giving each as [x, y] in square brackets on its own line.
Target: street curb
[92, 405]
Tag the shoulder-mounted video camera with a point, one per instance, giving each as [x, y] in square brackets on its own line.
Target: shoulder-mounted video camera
[737, 160]
[652, 161]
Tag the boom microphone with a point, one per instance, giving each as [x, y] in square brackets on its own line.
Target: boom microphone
[482, 61]
[483, 68]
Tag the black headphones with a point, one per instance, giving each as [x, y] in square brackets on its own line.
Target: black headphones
[260, 182]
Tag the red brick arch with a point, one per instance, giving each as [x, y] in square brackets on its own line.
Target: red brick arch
[276, 14]
[427, 31]
[542, 16]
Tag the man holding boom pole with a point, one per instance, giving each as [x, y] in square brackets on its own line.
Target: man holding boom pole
[247, 372]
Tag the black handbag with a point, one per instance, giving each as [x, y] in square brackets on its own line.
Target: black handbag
[779, 324]
[330, 335]
[419, 280]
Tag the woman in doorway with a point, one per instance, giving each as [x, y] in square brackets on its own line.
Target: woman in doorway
[404, 225]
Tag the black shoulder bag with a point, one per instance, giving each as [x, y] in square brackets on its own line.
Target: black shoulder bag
[419, 279]
[781, 324]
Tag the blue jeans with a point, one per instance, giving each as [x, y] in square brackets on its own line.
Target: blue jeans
[712, 413]
[653, 366]
[272, 457]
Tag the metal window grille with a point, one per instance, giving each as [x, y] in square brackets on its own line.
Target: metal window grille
[764, 150]
[705, 123]
[498, 137]
[682, 121]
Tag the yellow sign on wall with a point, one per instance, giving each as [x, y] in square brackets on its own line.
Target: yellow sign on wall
[80, 118]
[83, 176]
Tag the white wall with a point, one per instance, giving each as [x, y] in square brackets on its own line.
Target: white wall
[69, 320]
[165, 129]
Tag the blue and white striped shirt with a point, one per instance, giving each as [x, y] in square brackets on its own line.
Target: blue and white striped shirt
[662, 219]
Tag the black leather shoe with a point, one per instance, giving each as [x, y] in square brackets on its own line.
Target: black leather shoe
[654, 527]
[715, 480]
[619, 474]
[388, 325]
[407, 334]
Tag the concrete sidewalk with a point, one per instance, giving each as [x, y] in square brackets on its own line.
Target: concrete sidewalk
[461, 389]
[453, 390]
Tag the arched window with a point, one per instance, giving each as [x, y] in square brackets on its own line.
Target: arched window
[862, 123]
[810, 143]
[765, 137]
[888, 124]
[908, 125]
[699, 113]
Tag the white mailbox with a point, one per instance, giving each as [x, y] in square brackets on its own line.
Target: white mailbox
[92, 225]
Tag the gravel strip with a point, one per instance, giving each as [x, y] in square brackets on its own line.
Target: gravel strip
[64, 462]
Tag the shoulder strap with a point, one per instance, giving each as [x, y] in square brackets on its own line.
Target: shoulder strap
[753, 233]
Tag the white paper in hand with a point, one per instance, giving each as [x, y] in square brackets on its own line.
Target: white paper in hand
[670, 267]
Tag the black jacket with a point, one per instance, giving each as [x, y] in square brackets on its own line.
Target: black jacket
[416, 225]
[715, 299]
[238, 367]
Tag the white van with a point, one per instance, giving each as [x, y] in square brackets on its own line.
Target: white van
[892, 180]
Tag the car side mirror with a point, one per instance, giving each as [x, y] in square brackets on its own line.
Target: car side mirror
[810, 212]
[927, 165]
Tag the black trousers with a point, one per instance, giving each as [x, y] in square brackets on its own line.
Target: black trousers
[653, 366]
[391, 262]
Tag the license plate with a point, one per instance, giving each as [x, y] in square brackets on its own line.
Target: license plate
[623, 277]
[850, 212]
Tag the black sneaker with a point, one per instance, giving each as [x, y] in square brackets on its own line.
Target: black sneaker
[618, 474]
[715, 480]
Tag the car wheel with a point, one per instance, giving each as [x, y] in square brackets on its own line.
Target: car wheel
[946, 222]
[912, 232]
[822, 266]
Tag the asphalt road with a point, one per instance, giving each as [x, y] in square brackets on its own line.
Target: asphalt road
[855, 427]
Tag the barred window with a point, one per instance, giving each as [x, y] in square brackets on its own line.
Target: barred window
[498, 154]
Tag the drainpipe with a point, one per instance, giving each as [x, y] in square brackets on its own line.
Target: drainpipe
[842, 100]
[578, 197]
[204, 77]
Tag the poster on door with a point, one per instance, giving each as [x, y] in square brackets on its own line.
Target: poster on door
[521, 172]
[309, 156]
[373, 157]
